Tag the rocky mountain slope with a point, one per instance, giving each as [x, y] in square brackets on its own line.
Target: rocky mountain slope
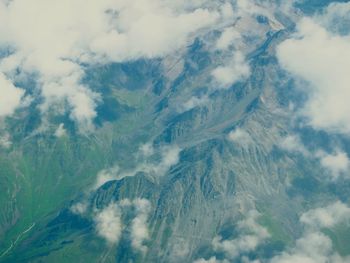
[178, 168]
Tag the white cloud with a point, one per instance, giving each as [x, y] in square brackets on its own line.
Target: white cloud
[311, 248]
[148, 35]
[228, 37]
[10, 96]
[235, 70]
[108, 223]
[240, 136]
[336, 17]
[292, 143]
[251, 236]
[79, 208]
[52, 39]
[139, 228]
[180, 248]
[210, 260]
[146, 149]
[169, 156]
[194, 102]
[106, 175]
[314, 246]
[337, 163]
[247, 260]
[227, 11]
[60, 131]
[5, 141]
[265, 8]
[328, 216]
[250, 7]
[322, 59]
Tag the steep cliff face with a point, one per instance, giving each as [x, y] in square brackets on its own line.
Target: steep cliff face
[186, 169]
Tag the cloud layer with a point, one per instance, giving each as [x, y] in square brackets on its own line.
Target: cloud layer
[337, 163]
[109, 224]
[168, 156]
[10, 97]
[322, 59]
[314, 246]
[139, 228]
[52, 39]
[240, 137]
[328, 216]
[251, 236]
[235, 70]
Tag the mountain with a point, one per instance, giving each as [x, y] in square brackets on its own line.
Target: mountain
[178, 167]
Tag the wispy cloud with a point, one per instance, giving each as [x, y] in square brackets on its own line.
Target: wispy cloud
[60, 131]
[229, 36]
[236, 69]
[240, 137]
[107, 175]
[251, 235]
[193, 102]
[79, 208]
[167, 156]
[5, 140]
[292, 143]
